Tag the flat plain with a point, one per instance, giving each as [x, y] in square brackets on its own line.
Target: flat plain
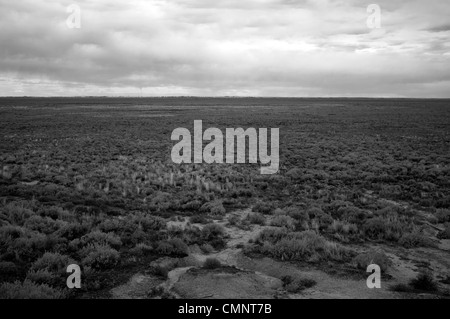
[90, 181]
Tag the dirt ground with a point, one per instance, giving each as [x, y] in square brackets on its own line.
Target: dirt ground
[243, 277]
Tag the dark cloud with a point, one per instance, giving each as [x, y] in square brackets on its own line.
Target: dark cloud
[231, 47]
[439, 28]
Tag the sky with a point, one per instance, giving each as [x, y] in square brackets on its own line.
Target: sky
[304, 48]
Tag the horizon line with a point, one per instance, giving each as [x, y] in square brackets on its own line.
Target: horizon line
[226, 96]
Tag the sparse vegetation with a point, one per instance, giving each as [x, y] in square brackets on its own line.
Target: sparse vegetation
[306, 245]
[99, 192]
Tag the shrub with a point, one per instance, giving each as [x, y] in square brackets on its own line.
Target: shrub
[305, 245]
[415, 240]
[164, 248]
[279, 211]
[43, 276]
[283, 221]
[256, 218]
[55, 212]
[179, 247]
[343, 228]
[213, 207]
[72, 230]
[314, 212]
[198, 219]
[297, 213]
[380, 228]
[352, 214]
[148, 222]
[111, 225]
[159, 271]
[192, 205]
[264, 208]
[23, 244]
[214, 235]
[234, 220]
[100, 257]
[213, 231]
[443, 215]
[325, 221]
[16, 213]
[29, 290]
[44, 225]
[101, 238]
[172, 247]
[375, 228]
[207, 248]
[272, 235]
[372, 257]
[141, 249]
[211, 263]
[10, 232]
[424, 282]
[52, 262]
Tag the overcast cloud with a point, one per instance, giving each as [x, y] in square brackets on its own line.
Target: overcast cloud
[225, 47]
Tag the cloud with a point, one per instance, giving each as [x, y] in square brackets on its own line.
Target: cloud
[229, 47]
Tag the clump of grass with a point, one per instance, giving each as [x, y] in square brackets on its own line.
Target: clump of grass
[381, 228]
[212, 263]
[306, 245]
[412, 240]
